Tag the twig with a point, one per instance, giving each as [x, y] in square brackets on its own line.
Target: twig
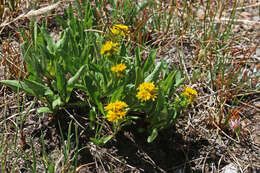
[74, 119]
[201, 158]
[220, 162]
[251, 106]
[224, 133]
[249, 22]
[8, 102]
[246, 94]
[31, 14]
[236, 160]
[200, 98]
[93, 30]
[204, 162]
[58, 162]
[119, 160]
[9, 118]
[255, 165]
[84, 165]
[249, 6]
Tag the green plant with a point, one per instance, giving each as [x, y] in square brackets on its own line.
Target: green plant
[102, 50]
[144, 90]
[53, 72]
[102, 66]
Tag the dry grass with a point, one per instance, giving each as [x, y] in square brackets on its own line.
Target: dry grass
[225, 72]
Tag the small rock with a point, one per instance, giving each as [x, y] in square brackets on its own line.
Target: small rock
[258, 52]
[256, 18]
[230, 169]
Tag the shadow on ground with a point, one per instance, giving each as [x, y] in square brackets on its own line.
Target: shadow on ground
[168, 153]
[128, 151]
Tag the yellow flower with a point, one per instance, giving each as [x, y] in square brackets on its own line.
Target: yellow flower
[112, 116]
[118, 69]
[109, 48]
[190, 93]
[146, 91]
[116, 106]
[120, 29]
[116, 111]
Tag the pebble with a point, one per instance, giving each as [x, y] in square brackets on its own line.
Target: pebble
[258, 52]
[230, 169]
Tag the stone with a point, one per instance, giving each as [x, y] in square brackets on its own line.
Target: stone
[230, 169]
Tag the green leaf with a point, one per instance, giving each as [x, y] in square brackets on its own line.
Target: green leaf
[155, 74]
[175, 115]
[95, 67]
[123, 50]
[51, 167]
[98, 103]
[68, 94]
[79, 9]
[57, 103]
[75, 78]
[38, 88]
[133, 117]
[51, 46]
[95, 141]
[138, 76]
[167, 85]
[94, 94]
[152, 137]
[101, 141]
[116, 95]
[138, 59]
[81, 87]
[178, 79]
[92, 114]
[41, 110]
[61, 80]
[60, 45]
[61, 21]
[150, 61]
[15, 84]
[35, 34]
[160, 102]
[107, 138]
[72, 20]
[90, 85]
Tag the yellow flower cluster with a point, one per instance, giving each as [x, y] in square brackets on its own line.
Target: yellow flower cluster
[118, 69]
[109, 48]
[120, 29]
[146, 91]
[190, 93]
[116, 111]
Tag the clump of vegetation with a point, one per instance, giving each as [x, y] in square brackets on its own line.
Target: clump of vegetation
[110, 54]
[105, 70]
